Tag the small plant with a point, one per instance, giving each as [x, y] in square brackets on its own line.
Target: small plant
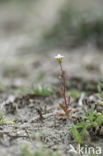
[43, 91]
[89, 122]
[64, 106]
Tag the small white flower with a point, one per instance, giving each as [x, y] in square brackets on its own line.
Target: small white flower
[59, 58]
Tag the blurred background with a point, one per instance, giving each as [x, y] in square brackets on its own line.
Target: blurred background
[33, 32]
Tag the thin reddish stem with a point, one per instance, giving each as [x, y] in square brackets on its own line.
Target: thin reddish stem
[64, 86]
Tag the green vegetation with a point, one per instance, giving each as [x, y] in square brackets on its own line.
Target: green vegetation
[41, 90]
[22, 91]
[75, 93]
[88, 121]
[41, 152]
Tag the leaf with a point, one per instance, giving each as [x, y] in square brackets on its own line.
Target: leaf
[76, 135]
[62, 106]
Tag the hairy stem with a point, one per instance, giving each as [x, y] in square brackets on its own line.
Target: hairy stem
[64, 87]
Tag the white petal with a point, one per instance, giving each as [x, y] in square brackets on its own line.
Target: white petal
[58, 56]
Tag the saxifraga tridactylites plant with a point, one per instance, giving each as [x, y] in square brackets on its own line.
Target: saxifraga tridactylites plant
[65, 105]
